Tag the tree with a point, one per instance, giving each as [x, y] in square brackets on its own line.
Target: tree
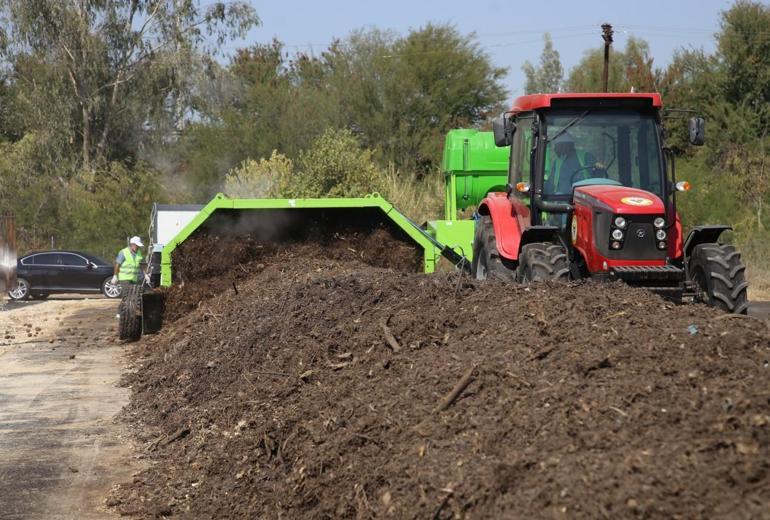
[264, 178]
[334, 165]
[742, 117]
[732, 90]
[548, 77]
[397, 95]
[401, 95]
[110, 70]
[631, 68]
[743, 48]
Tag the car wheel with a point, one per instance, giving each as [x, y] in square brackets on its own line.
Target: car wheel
[39, 296]
[109, 289]
[21, 291]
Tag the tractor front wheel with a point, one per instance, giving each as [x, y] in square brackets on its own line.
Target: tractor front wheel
[487, 264]
[540, 261]
[719, 277]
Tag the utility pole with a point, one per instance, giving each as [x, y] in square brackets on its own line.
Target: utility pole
[607, 37]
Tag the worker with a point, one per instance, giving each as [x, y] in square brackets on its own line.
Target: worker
[128, 270]
[570, 166]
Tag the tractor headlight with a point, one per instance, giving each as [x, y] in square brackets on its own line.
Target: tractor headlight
[661, 245]
[660, 234]
[659, 222]
[616, 245]
[621, 222]
[617, 234]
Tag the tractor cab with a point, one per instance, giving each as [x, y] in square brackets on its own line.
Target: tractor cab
[560, 143]
[592, 193]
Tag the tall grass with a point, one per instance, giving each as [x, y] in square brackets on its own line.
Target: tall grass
[420, 199]
[714, 199]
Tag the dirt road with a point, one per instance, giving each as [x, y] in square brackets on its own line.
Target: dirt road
[60, 449]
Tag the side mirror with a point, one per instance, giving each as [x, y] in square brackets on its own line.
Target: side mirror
[503, 129]
[90, 265]
[697, 131]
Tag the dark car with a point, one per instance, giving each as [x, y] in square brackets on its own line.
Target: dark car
[49, 272]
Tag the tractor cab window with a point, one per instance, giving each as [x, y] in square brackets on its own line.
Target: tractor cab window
[601, 146]
[521, 151]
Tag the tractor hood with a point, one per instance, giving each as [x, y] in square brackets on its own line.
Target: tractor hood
[620, 199]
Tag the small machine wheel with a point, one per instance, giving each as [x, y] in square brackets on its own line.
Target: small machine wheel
[542, 261]
[719, 277]
[487, 263]
[130, 324]
[21, 291]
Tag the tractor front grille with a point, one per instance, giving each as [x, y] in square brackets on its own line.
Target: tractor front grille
[648, 274]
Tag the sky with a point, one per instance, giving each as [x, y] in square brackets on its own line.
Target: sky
[509, 32]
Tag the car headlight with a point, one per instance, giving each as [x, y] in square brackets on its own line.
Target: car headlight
[659, 222]
[660, 234]
[617, 234]
[621, 222]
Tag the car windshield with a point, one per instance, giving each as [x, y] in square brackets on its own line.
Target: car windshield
[607, 146]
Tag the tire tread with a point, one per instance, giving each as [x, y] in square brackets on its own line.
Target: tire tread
[724, 274]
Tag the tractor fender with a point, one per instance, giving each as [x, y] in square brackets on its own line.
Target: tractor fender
[504, 222]
[702, 235]
[540, 234]
[510, 234]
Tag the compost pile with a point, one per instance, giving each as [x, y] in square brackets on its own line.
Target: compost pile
[323, 389]
[215, 263]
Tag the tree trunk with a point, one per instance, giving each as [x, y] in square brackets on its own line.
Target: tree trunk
[86, 137]
[107, 120]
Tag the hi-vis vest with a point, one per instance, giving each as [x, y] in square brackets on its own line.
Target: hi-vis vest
[553, 170]
[129, 269]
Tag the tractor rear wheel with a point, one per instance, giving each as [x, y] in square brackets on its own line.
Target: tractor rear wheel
[540, 261]
[719, 276]
[130, 324]
[487, 263]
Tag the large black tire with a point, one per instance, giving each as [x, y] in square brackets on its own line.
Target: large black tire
[541, 261]
[719, 276]
[487, 264]
[130, 324]
[21, 291]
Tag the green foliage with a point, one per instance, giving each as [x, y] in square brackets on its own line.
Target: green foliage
[421, 198]
[744, 52]
[334, 166]
[630, 68]
[263, 178]
[29, 186]
[108, 77]
[90, 210]
[548, 77]
[101, 217]
[732, 89]
[398, 95]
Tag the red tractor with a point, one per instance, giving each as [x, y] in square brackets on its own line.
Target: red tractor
[592, 193]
